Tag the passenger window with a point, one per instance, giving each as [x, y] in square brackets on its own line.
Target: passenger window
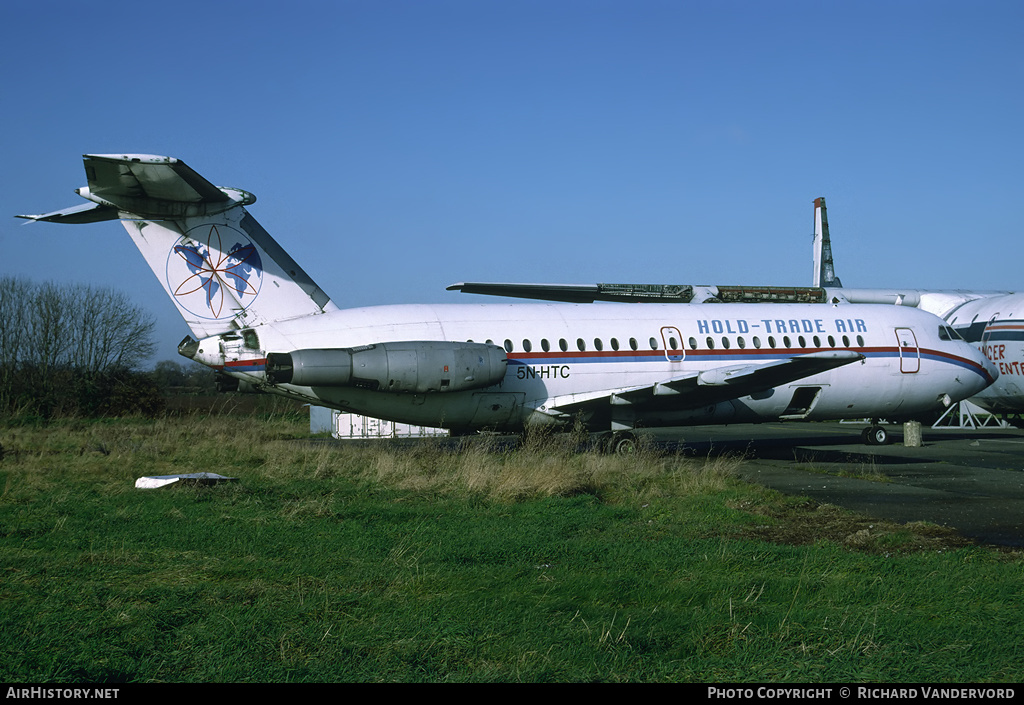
[725, 343]
[673, 343]
[598, 345]
[860, 340]
[563, 345]
[527, 345]
[741, 342]
[771, 341]
[757, 342]
[693, 343]
[580, 344]
[615, 343]
[545, 345]
[831, 342]
[785, 342]
[817, 342]
[803, 343]
[508, 345]
[633, 345]
[846, 341]
[654, 343]
[711, 343]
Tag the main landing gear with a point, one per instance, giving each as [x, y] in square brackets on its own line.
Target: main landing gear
[618, 443]
[875, 435]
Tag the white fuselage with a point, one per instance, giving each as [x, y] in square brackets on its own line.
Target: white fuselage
[562, 355]
[996, 326]
[991, 321]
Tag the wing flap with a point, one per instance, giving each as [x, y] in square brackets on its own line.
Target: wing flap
[772, 374]
[696, 389]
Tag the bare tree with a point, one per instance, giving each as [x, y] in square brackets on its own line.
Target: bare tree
[15, 296]
[50, 333]
[106, 332]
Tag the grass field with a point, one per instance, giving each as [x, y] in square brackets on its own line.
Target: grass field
[430, 562]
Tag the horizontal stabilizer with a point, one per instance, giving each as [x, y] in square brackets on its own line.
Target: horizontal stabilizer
[113, 176]
[218, 265]
[146, 187]
[77, 215]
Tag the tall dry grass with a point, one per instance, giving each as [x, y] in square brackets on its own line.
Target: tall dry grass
[550, 466]
[542, 464]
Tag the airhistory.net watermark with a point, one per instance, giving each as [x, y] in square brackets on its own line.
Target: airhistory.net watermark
[39, 692]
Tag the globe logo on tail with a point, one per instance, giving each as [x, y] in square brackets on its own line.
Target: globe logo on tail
[214, 271]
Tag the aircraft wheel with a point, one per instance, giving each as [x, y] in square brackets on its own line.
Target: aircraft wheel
[876, 436]
[623, 444]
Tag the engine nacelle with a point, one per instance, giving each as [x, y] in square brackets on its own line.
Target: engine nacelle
[413, 367]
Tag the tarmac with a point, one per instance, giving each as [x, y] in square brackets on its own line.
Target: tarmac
[970, 480]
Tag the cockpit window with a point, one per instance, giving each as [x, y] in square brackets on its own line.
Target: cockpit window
[948, 333]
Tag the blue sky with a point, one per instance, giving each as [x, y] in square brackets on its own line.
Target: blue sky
[397, 147]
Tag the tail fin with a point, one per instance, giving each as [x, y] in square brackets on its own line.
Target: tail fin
[824, 270]
[219, 266]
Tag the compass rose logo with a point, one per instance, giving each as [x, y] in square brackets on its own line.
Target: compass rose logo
[209, 277]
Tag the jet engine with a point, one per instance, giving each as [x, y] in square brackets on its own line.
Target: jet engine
[413, 367]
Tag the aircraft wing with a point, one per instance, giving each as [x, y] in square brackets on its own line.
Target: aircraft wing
[695, 389]
[582, 293]
[647, 293]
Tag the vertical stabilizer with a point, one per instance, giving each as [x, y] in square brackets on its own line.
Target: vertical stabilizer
[221, 269]
[824, 270]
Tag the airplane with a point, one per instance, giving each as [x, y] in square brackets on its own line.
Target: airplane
[991, 320]
[262, 321]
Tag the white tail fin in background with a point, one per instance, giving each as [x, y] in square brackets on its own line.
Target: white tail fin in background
[218, 265]
[824, 270]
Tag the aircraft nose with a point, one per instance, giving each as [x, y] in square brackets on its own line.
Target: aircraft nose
[991, 372]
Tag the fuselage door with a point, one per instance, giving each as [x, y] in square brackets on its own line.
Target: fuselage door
[910, 353]
[673, 342]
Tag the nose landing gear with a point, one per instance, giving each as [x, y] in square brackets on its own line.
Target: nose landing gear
[875, 435]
